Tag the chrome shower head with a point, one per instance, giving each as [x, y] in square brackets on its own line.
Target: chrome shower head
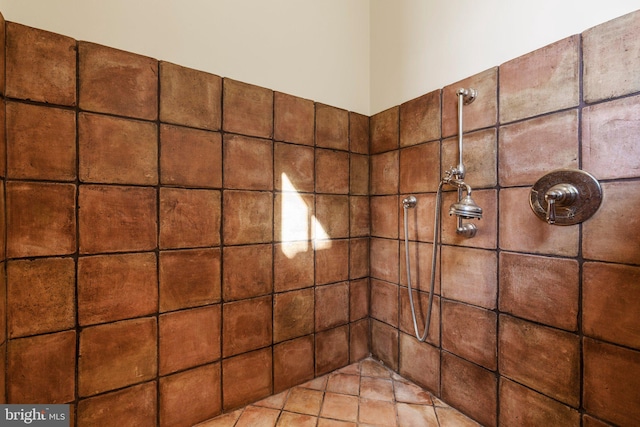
[466, 208]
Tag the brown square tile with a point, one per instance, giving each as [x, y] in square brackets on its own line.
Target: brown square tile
[545, 359]
[522, 406]
[487, 228]
[419, 228]
[530, 149]
[189, 278]
[294, 219]
[384, 302]
[376, 388]
[41, 142]
[247, 271]
[358, 258]
[384, 173]
[247, 109]
[117, 82]
[256, 416]
[247, 325]
[358, 133]
[385, 260]
[384, 343]
[470, 275]
[40, 296]
[421, 308]
[610, 301]
[118, 151]
[420, 168]
[294, 167]
[332, 349]
[188, 338]
[3, 41]
[420, 257]
[332, 127]
[549, 75]
[588, 421]
[340, 407]
[248, 217]
[384, 216]
[332, 261]
[470, 388]
[418, 415]
[246, 378]
[359, 174]
[344, 383]
[420, 119]
[384, 130]
[189, 218]
[41, 66]
[611, 233]
[611, 388]
[377, 412]
[470, 333]
[248, 163]
[42, 368]
[293, 314]
[190, 97]
[608, 138]
[41, 219]
[293, 266]
[292, 363]
[117, 219]
[420, 362]
[191, 396]
[116, 355]
[3, 129]
[332, 216]
[359, 340]
[359, 216]
[293, 119]
[479, 156]
[332, 171]
[358, 299]
[190, 157]
[614, 42]
[134, 405]
[304, 401]
[550, 298]
[331, 306]
[410, 393]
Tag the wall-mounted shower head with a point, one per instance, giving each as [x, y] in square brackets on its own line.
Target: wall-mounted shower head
[466, 208]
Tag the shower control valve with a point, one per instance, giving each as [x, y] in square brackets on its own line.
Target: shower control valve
[559, 195]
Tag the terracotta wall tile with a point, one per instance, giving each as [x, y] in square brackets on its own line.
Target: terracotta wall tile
[420, 219]
[359, 216]
[384, 216]
[247, 109]
[292, 363]
[294, 217]
[420, 119]
[610, 301]
[294, 167]
[188, 338]
[479, 156]
[248, 217]
[611, 233]
[358, 133]
[358, 258]
[545, 359]
[332, 349]
[359, 174]
[40, 65]
[118, 151]
[3, 317]
[421, 309]
[248, 163]
[385, 259]
[482, 112]
[189, 278]
[332, 261]
[117, 219]
[293, 266]
[604, 365]
[331, 306]
[359, 346]
[42, 368]
[40, 142]
[247, 271]
[247, 325]
[40, 296]
[358, 299]
[294, 119]
[420, 168]
[41, 219]
[189, 218]
[332, 216]
[539, 82]
[541, 289]
[3, 42]
[614, 42]
[116, 355]
[589, 421]
[190, 157]
[117, 82]
[384, 343]
[522, 406]
[384, 302]
[608, 138]
[470, 388]
[487, 228]
[384, 130]
[420, 362]
[385, 173]
[332, 171]
[332, 127]
[134, 405]
[190, 97]
[190, 397]
[470, 333]
[470, 275]
[293, 314]
[246, 378]
[3, 130]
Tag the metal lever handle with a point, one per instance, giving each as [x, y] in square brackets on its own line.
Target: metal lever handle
[561, 195]
[551, 210]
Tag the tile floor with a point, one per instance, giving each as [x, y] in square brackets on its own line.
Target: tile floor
[362, 394]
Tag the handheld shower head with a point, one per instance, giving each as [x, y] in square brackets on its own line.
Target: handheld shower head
[466, 208]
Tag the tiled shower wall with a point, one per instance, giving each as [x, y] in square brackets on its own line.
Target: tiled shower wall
[533, 324]
[177, 244]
